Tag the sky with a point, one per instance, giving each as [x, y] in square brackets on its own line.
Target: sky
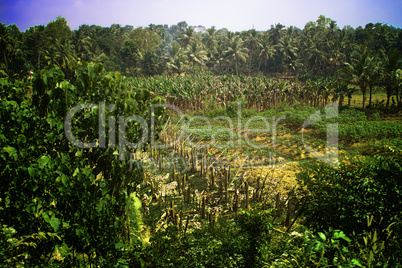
[234, 15]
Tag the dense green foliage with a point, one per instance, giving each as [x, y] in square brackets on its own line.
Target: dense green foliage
[367, 58]
[64, 204]
[361, 198]
[54, 194]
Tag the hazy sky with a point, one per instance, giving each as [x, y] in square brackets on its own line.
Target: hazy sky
[232, 14]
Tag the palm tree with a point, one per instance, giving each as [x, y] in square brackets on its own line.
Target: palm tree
[266, 51]
[288, 52]
[252, 41]
[186, 37]
[82, 45]
[175, 57]
[209, 39]
[374, 77]
[196, 54]
[339, 45]
[316, 56]
[276, 33]
[398, 75]
[219, 55]
[177, 65]
[5, 43]
[397, 41]
[341, 88]
[210, 43]
[358, 72]
[391, 62]
[236, 52]
[67, 58]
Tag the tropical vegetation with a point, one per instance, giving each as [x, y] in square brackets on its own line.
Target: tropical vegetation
[147, 147]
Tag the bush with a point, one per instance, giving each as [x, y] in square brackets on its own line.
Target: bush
[53, 194]
[206, 247]
[323, 249]
[346, 197]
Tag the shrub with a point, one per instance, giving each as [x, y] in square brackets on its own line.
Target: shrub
[343, 198]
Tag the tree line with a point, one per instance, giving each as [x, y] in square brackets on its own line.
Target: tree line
[366, 57]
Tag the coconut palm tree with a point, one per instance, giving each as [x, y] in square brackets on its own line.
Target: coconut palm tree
[252, 41]
[266, 51]
[67, 59]
[210, 43]
[209, 39]
[196, 54]
[398, 75]
[219, 55]
[176, 60]
[62, 54]
[316, 55]
[5, 44]
[358, 72]
[236, 52]
[82, 44]
[391, 62]
[186, 37]
[374, 77]
[275, 33]
[287, 52]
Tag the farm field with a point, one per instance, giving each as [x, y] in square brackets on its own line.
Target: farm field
[230, 159]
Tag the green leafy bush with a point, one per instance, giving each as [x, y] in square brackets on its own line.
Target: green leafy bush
[220, 246]
[54, 194]
[323, 249]
[343, 198]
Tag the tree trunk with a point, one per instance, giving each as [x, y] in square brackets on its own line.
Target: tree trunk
[5, 59]
[363, 89]
[370, 87]
[38, 61]
[249, 70]
[259, 64]
[341, 97]
[388, 97]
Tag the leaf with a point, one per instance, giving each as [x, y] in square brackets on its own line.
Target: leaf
[356, 263]
[119, 245]
[76, 171]
[12, 152]
[66, 86]
[79, 232]
[344, 237]
[87, 171]
[143, 95]
[31, 208]
[46, 217]
[98, 68]
[91, 71]
[43, 161]
[55, 223]
[117, 75]
[64, 179]
[32, 172]
[322, 236]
